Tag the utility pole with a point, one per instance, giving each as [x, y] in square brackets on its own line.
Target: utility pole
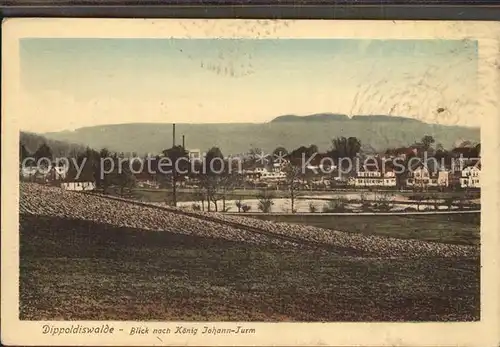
[174, 167]
[173, 135]
[183, 142]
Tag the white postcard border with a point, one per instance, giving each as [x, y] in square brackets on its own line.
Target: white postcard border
[483, 333]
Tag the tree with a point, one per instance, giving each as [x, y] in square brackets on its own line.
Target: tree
[43, 151]
[227, 182]
[427, 142]
[279, 153]
[343, 147]
[23, 153]
[209, 184]
[265, 201]
[255, 152]
[124, 178]
[292, 182]
[313, 149]
[214, 161]
[477, 148]
[297, 155]
[239, 205]
[215, 178]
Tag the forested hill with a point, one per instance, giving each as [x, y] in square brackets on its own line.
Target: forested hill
[33, 141]
[378, 132]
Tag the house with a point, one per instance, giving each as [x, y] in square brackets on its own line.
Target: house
[419, 177]
[78, 186]
[389, 179]
[194, 155]
[470, 177]
[262, 174]
[273, 176]
[53, 172]
[28, 171]
[422, 177]
[374, 178]
[444, 178]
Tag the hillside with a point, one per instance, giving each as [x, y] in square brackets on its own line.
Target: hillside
[291, 132]
[60, 148]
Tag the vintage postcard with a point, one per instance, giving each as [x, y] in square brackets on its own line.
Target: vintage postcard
[243, 182]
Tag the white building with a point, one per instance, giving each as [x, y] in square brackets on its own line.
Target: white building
[194, 154]
[78, 186]
[443, 179]
[52, 172]
[262, 174]
[422, 178]
[470, 177]
[29, 171]
[362, 174]
[374, 179]
[273, 176]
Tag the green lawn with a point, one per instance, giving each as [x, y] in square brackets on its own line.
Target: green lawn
[457, 229]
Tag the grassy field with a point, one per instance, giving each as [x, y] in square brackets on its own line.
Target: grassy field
[461, 229]
[82, 270]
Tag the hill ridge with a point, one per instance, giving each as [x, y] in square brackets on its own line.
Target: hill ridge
[330, 116]
[233, 138]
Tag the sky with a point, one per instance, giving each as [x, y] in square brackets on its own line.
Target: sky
[73, 83]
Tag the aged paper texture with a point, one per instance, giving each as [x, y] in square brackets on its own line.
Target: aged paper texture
[250, 182]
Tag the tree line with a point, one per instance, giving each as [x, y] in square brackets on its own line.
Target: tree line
[214, 174]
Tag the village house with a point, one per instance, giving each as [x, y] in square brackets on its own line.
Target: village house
[194, 155]
[419, 177]
[78, 186]
[263, 174]
[422, 178]
[51, 173]
[470, 177]
[374, 178]
[444, 178]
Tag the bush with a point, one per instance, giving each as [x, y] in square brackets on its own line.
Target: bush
[335, 206]
[265, 205]
[239, 205]
[245, 208]
[265, 201]
[196, 207]
[312, 208]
